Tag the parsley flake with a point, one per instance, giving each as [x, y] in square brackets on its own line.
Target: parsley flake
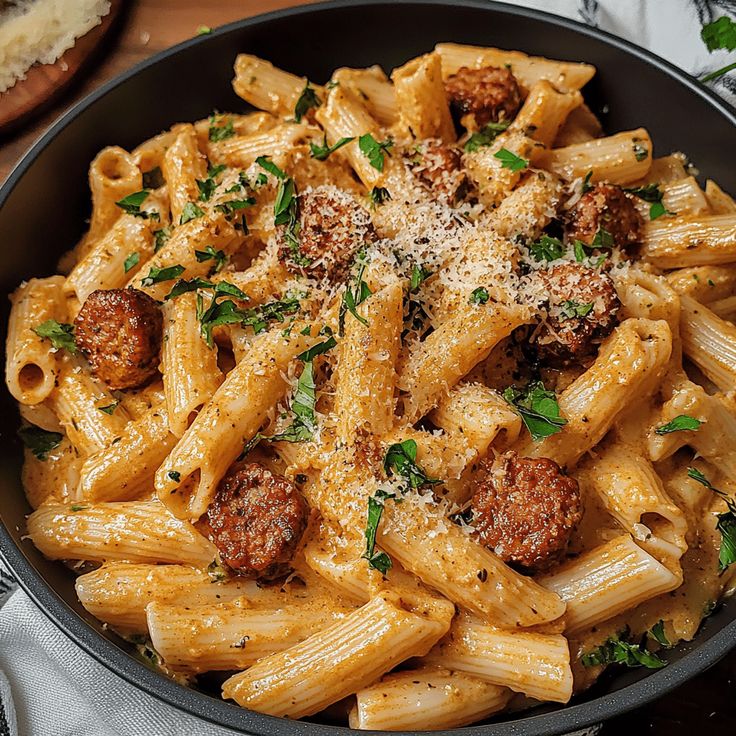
[379, 195]
[131, 261]
[110, 408]
[160, 238]
[509, 160]
[190, 212]
[374, 150]
[419, 274]
[321, 153]
[587, 186]
[486, 135]
[657, 633]
[538, 408]
[217, 132]
[174, 475]
[602, 239]
[60, 334]
[210, 254]
[131, 204]
[307, 100]
[39, 441]
[678, 424]
[720, 34]
[546, 248]
[401, 460]
[616, 650]
[653, 194]
[479, 296]
[355, 294]
[157, 275]
[377, 560]
[572, 309]
[640, 151]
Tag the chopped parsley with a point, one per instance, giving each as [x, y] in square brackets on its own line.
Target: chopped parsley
[538, 408]
[307, 100]
[377, 560]
[77, 507]
[374, 150]
[486, 135]
[204, 31]
[207, 186]
[379, 195]
[726, 523]
[355, 294]
[157, 275]
[190, 212]
[479, 296]
[658, 634]
[131, 204]
[265, 163]
[572, 309]
[401, 460]
[602, 239]
[303, 402]
[182, 286]
[617, 650]
[678, 424]
[587, 186]
[153, 179]
[509, 160]
[233, 205]
[60, 334]
[131, 261]
[419, 274]
[640, 151]
[174, 475]
[110, 408]
[322, 152]
[220, 132]
[546, 248]
[39, 441]
[653, 194]
[210, 254]
[160, 238]
[580, 252]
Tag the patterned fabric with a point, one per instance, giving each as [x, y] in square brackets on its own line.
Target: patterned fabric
[61, 691]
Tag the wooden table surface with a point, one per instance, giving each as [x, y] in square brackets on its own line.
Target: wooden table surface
[150, 26]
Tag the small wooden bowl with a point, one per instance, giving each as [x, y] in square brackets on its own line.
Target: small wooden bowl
[45, 82]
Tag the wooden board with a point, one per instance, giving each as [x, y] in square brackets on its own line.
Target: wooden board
[44, 82]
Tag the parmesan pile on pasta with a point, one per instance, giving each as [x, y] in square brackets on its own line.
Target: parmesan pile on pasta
[40, 31]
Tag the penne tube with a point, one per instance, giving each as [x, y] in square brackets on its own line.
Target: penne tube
[372, 87]
[54, 479]
[705, 284]
[135, 531]
[618, 159]
[31, 361]
[701, 240]
[683, 197]
[450, 352]
[645, 295]
[634, 495]
[724, 308]
[108, 263]
[186, 391]
[720, 202]
[187, 479]
[119, 592]
[266, 87]
[182, 165]
[666, 169]
[344, 116]
[710, 342]
[113, 175]
[349, 655]
[479, 415]
[544, 111]
[180, 250]
[242, 150]
[235, 634]
[537, 665]
[421, 99]
[364, 390]
[581, 125]
[90, 415]
[626, 371]
[426, 699]
[606, 581]
[527, 69]
[124, 471]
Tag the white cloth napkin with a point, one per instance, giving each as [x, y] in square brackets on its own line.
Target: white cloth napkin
[50, 687]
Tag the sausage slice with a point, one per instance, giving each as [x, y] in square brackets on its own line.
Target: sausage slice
[119, 332]
[481, 96]
[525, 509]
[605, 207]
[438, 167]
[256, 521]
[582, 309]
[333, 226]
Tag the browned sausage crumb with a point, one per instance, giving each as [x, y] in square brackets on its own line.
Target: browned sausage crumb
[439, 168]
[525, 509]
[605, 207]
[483, 95]
[256, 521]
[582, 309]
[333, 226]
[119, 332]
